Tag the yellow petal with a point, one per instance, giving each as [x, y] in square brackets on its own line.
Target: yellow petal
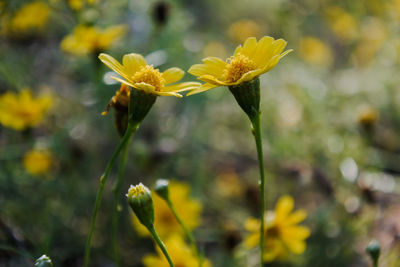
[133, 62]
[180, 87]
[204, 87]
[167, 94]
[144, 87]
[212, 66]
[113, 64]
[248, 76]
[252, 225]
[260, 57]
[252, 241]
[122, 81]
[249, 47]
[211, 79]
[296, 217]
[172, 75]
[295, 233]
[296, 246]
[284, 207]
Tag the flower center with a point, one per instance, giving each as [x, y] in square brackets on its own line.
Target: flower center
[149, 75]
[238, 65]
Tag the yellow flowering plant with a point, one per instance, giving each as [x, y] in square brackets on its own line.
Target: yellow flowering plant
[21, 111]
[240, 73]
[145, 83]
[282, 233]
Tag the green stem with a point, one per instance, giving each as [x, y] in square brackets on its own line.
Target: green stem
[160, 244]
[188, 233]
[257, 137]
[124, 141]
[117, 206]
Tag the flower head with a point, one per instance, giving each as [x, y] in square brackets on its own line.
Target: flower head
[181, 254]
[91, 39]
[315, 51]
[137, 74]
[37, 161]
[282, 234]
[20, 111]
[165, 222]
[247, 63]
[31, 16]
[43, 261]
[141, 202]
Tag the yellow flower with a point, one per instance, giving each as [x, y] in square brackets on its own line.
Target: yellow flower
[282, 234]
[20, 111]
[137, 74]
[181, 254]
[247, 63]
[342, 23]
[37, 162]
[75, 4]
[188, 209]
[243, 29]
[90, 39]
[314, 51]
[30, 16]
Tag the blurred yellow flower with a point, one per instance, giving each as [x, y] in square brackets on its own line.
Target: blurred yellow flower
[75, 4]
[137, 74]
[282, 234]
[343, 24]
[20, 111]
[314, 51]
[37, 161]
[215, 49]
[188, 209]
[240, 30]
[181, 254]
[247, 63]
[91, 39]
[373, 35]
[368, 116]
[31, 16]
[229, 184]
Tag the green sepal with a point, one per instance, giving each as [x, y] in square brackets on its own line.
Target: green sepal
[247, 95]
[140, 104]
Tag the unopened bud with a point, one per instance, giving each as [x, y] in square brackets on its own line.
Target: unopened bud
[374, 250]
[161, 188]
[43, 261]
[141, 202]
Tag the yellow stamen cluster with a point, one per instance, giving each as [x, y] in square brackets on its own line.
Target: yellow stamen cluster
[147, 74]
[238, 65]
[136, 191]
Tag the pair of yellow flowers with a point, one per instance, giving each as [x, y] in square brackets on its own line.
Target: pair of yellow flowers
[248, 62]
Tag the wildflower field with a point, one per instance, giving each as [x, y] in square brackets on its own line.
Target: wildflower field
[186, 133]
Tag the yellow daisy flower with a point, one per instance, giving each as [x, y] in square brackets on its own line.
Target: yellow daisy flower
[20, 111]
[181, 254]
[137, 74]
[282, 234]
[188, 209]
[315, 51]
[30, 16]
[91, 39]
[37, 162]
[247, 63]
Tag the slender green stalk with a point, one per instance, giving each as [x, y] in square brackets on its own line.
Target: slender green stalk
[188, 233]
[124, 141]
[257, 137]
[117, 196]
[160, 244]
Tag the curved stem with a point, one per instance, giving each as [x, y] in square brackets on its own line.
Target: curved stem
[188, 233]
[257, 137]
[117, 208]
[127, 136]
[161, 245]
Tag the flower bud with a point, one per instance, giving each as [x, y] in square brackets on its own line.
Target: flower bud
[161, 188]
[247, 95]
[43, 261]
[374, 250]
[141, 202]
